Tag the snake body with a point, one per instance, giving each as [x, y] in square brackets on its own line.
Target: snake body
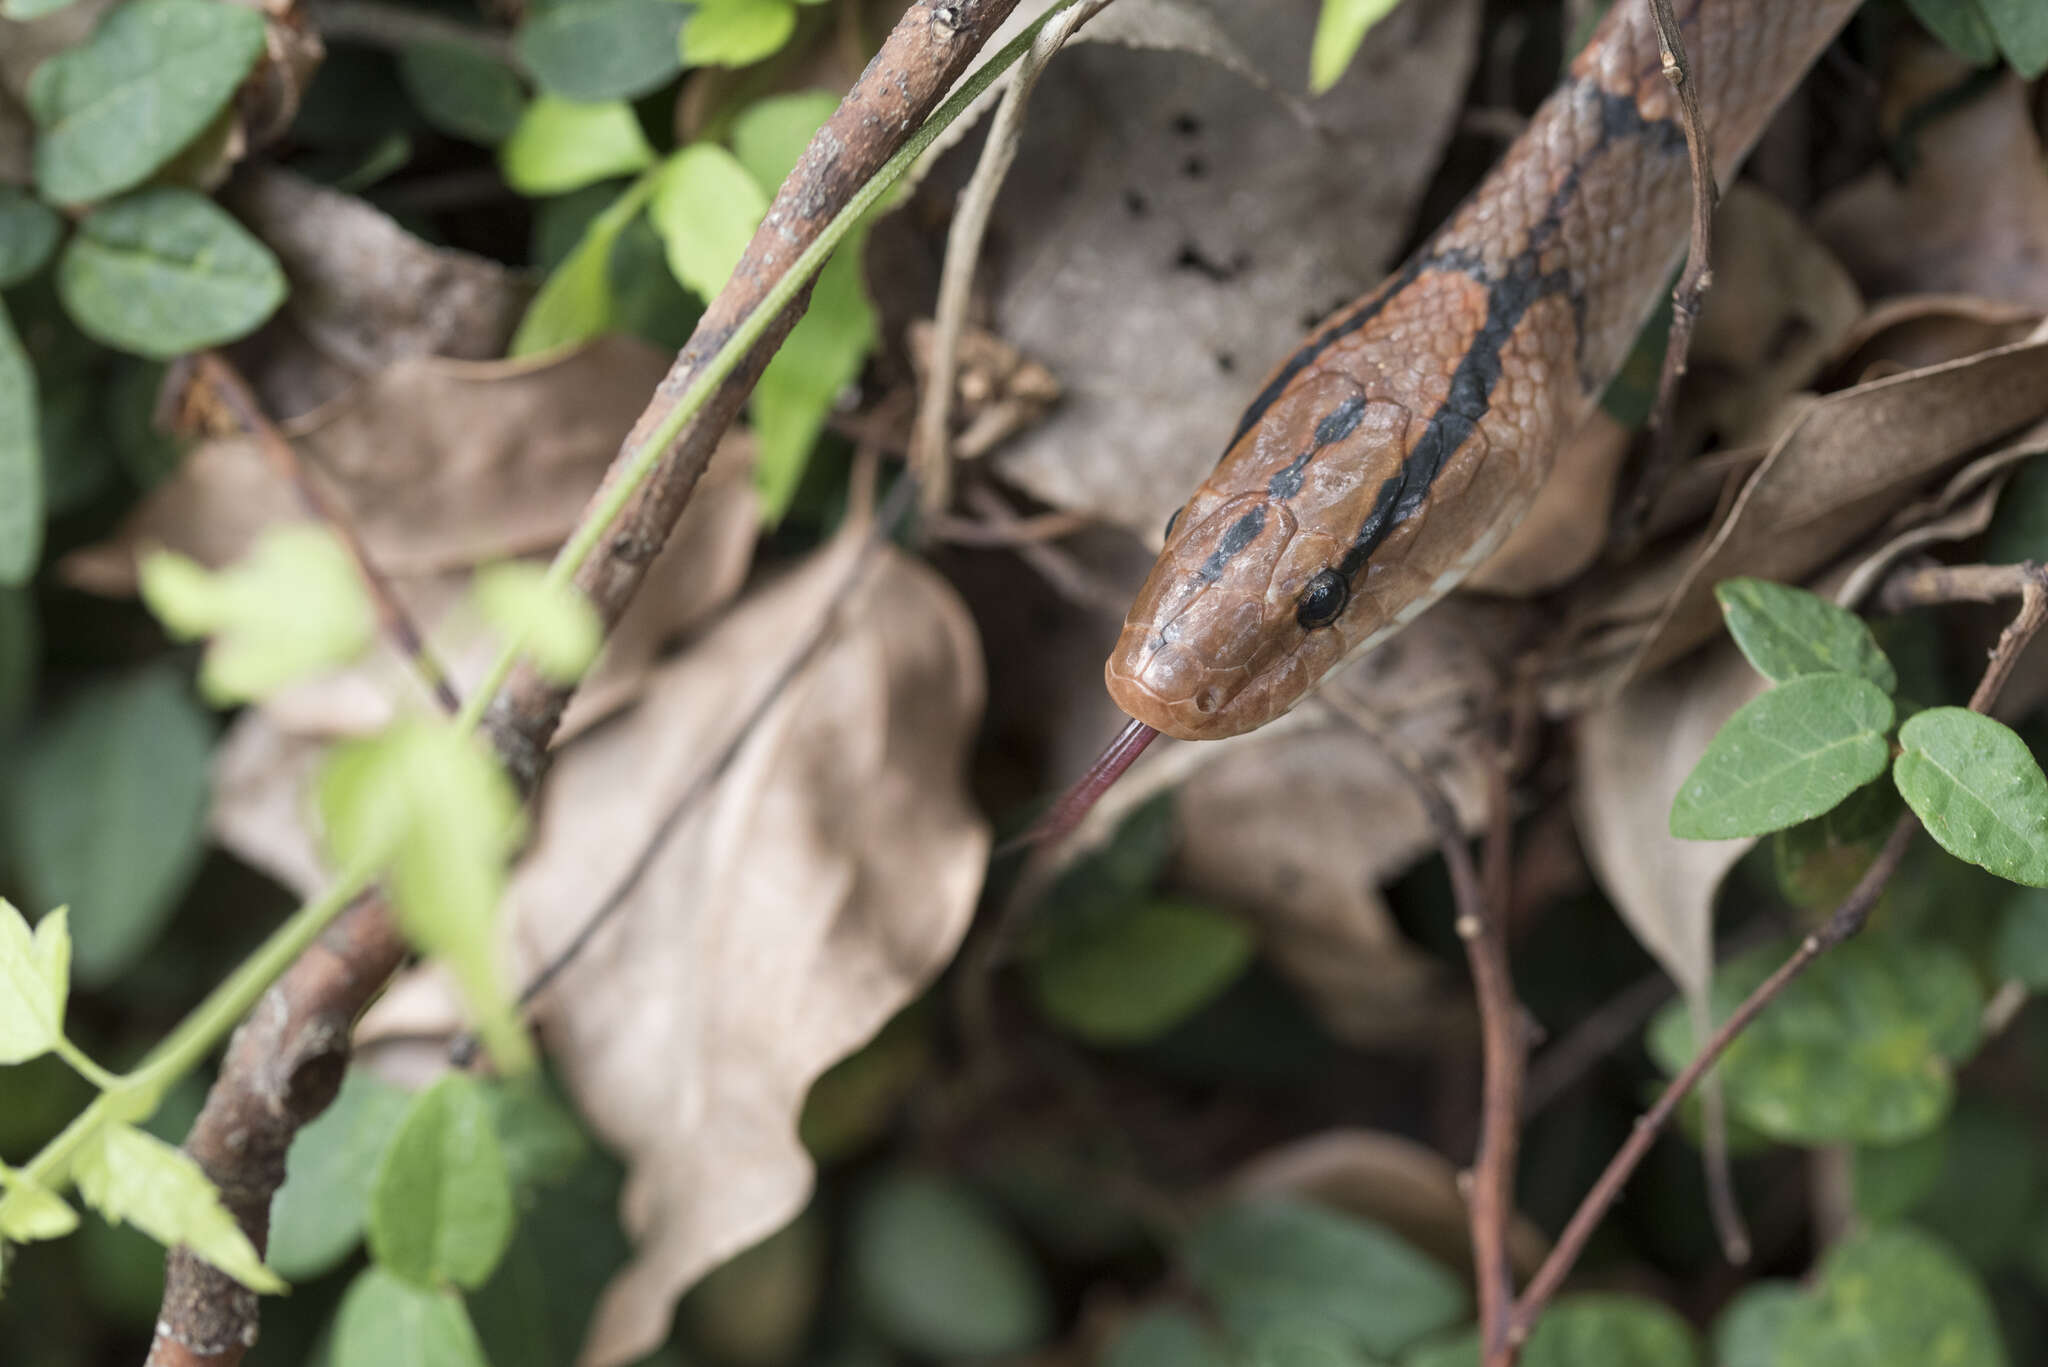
[1406, 436]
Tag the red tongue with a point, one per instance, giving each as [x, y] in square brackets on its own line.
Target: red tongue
[1064, 815]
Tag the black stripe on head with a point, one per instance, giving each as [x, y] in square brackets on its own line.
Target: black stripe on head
[1240, 534]
[1339, 423]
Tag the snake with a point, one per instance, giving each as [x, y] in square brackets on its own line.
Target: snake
[1407, 435]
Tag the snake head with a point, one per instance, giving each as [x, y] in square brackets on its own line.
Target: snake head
[1265, 583]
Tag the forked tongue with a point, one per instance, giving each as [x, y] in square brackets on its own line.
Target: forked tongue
[1073, 805]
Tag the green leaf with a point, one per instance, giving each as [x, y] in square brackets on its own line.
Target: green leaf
[461, 91]
[165, 271]
[295, 606]
[566, 1246]
[28, 234]
[540, 1139]
[1860, 1048]
[1788, 755]
[1340, 28]
[1891, 1297]
[385, 1322]
[1134, 975]
[1983, 1202]
[1270, 1260]
[1305, 1343]
[135, 1178]
[576, 303]
[1888, 1180]
[124, 102]
[24, 10]
[317, 1218]
[603, 49]
[560, 146]
[1590, 1330]
[30, 1211]
[736, 32]
[769, 135]
[2021, 951]
[107, 811]
[939, 1275]
[1960, 24]
[1820, 860]
[430, 807]
[553, 623]
[1973, 784]
[1166, 1338]
[35, 978]
[1788, 633]
[797, 392]
[441, 1205]
[2019, 528]
[1748, 1331]
[706, 208]
[21, 461]
[2022, 30]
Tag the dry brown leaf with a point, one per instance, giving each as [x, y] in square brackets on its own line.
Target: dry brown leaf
[1411, 1189]
[1174, 230]
[439, 464]
[1847, 464]
[1632, 756]
[367, 293]
[1918, 330]
[1972, 214]
[822, 882]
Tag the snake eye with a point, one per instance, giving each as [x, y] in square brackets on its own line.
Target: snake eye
[1322, 600]
[1171, 518]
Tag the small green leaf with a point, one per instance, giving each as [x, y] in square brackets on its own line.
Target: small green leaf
[565, 1248]
[769, 135]
[461, 91]
[431, 808]
[797, 392]
[135, 1178]
[21, 461]
[1340, 28]
[1961, 24]
[163, 272]
[553, 623]
[35, 978]
[1983, 1200]
[540, 1139]
[1788, 633]
[1166, 1338]
[1788, 755]
[108, 811]
[576, 303]
[124, 102]
[22, 11]
[1973, 784]
[441, 1205]
[941, 1276]
[603, 49]
[1820, 860]
[2021, 27]
[560, 146]
[30, 1211]
[1270, 1260]
[385, 1322]
[1135, 974]
[295, 606]
[736, 32]
[706, 208]
[2021, 951]
[1748, 1331]
[1590, 1330]
[1892, 1297]
[1888, 1180]
[28, 234]
[1860, 1048]
[317, 1218]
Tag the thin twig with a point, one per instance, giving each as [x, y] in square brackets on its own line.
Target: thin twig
[930, 447]
[1693, 281]
[1035, 529]
[1846, 920]
[1931, 585]
[1067, 576]
[215, 371]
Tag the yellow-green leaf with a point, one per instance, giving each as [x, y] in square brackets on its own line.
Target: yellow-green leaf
[736, 32]
[1978, 790]
[553, 623]
[576, 302]
[560, 145]
[30, 1211]
[35, 978]
[135, 1178]
[706, 208]
[1340, 28]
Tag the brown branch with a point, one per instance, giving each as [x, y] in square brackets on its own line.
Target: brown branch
[225, 383]
[285, 1062]
[1693, 281]
[1932, 585]
[1482, 904]
[1845, 921]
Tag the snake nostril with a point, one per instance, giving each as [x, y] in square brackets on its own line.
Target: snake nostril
[1207, 701]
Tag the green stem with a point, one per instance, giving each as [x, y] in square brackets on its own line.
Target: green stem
[82, 1064]
[641, 460]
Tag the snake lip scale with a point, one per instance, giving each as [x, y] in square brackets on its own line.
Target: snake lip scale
[1402, 441]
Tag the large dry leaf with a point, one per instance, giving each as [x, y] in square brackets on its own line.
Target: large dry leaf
[823, 881]
[1848, 463]
[1174, 229]
[1972, 213]
[439, 464]
[1406, 1186]
[365, 292]
[1566, 527]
